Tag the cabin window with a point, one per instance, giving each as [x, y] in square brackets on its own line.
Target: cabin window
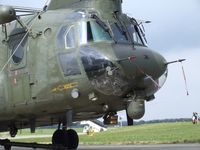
[17, 53]
[69, 64]
[92, 32]
[17, 45]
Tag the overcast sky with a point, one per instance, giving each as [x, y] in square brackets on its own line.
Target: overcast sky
[175, 33]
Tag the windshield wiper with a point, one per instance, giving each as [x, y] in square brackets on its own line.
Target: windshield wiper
[100, 22]
[103, 25]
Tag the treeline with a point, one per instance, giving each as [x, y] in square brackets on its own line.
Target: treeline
[124, 123]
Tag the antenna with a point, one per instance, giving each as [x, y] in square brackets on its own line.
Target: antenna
[183, 72]
[185, 80]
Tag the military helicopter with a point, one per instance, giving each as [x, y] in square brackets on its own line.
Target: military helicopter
[74, 60]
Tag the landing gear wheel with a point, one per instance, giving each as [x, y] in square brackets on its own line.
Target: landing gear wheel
[73, 139]
[60, 137]
[68, 139]
[7, 147]
[13, 131]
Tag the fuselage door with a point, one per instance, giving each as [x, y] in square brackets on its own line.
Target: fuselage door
[67, 45]
[18, 73]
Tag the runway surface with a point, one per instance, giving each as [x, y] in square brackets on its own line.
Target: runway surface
[132, 147]
[143, 147]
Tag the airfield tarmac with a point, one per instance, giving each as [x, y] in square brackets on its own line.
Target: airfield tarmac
[132, 147]
[143, 147]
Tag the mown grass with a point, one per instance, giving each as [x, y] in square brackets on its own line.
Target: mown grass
[161, 133]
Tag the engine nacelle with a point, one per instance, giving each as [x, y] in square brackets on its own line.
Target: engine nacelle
[7, 14]
[136, 109]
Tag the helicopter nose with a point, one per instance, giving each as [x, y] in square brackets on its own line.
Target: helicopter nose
[142, 62]
[160, 64]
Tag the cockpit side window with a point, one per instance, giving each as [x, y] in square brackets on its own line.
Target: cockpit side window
[99, 33]
[119, 35]
[91, 31]
[69, 64]
[60, 41]
[135, 34]
[66, 37]
[70, 37]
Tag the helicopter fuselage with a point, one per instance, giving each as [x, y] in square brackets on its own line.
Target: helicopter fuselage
[82, 60]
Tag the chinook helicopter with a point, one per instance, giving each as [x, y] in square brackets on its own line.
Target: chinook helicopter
[74, 60]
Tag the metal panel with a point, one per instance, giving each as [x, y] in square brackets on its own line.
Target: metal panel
[20, 89]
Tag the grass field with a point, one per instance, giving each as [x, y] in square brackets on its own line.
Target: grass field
[148, 134]
[161, 133]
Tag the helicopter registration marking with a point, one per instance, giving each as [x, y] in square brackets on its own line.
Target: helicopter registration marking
[61, 88]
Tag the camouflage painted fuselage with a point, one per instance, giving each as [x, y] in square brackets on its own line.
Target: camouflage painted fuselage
[79, 56]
